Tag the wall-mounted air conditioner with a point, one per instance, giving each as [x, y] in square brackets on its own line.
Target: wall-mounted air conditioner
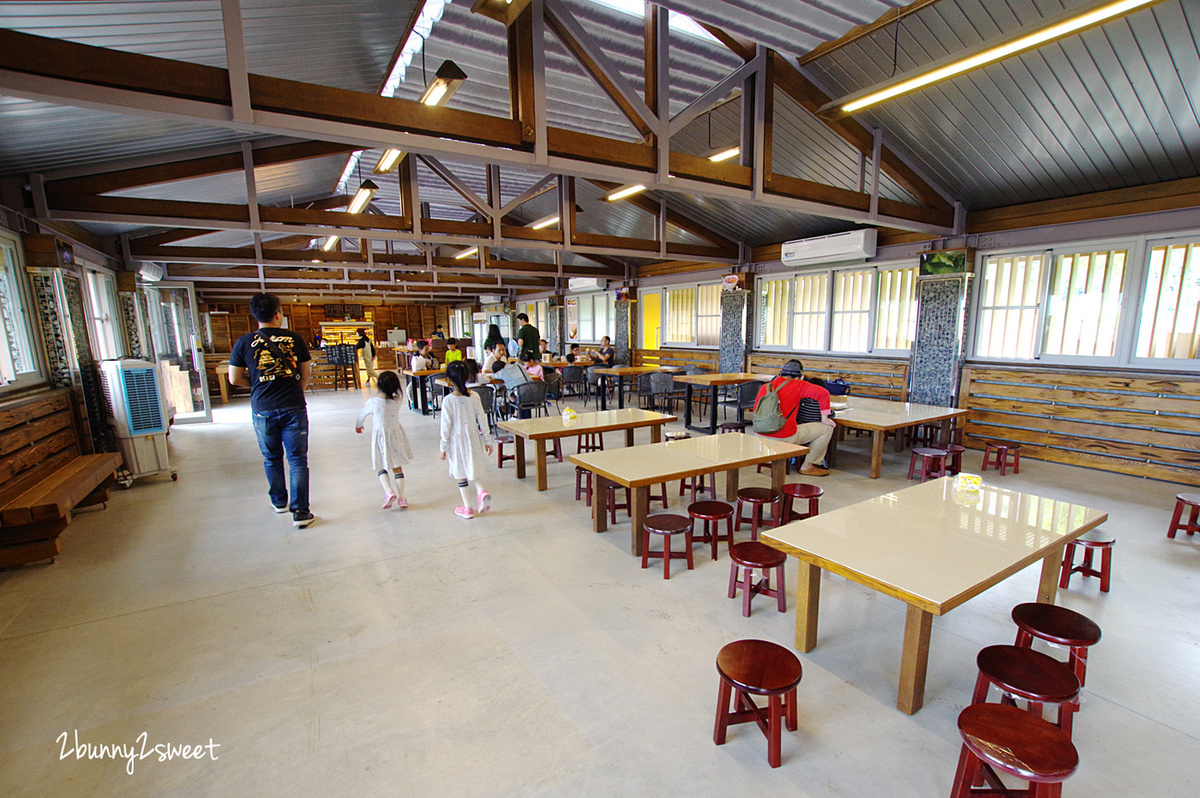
[131, 390]
[836, 248]
[151, 272]
[490, 299]
[587, 284]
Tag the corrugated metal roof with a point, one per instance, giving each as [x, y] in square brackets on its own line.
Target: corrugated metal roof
[277, 184]
[1111, 107]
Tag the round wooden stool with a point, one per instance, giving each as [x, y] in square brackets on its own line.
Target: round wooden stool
[954, 458]
[666, 524]
[1089, 542]
[1060, 626]
[711, 513]
[697, 485]
[589, 442]
[582, 475]
[997, 737]
[757, 667]
[800, 490]
[933, 462]
[1191, 501]
[501, 457]
[613, 506]
[1024, 673]
[752, 556]
[733, 426]
[1001, 452]
[757, 498]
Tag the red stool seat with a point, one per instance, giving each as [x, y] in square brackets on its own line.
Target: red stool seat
[711, 513]
[757, 667]
[932, 462]
[666, 525]
[750, 557]
[997, 737]
[582, 475]
[757, 498]
[589, 442]
[954, 458]
[1089, 542]
[501, 457]
[1190, 501]
[1001, 452]
[1024, 673]
[800, 490]
[1060, 626]
[697, 485]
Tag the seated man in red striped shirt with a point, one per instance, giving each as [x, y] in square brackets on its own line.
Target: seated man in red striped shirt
[805, 409]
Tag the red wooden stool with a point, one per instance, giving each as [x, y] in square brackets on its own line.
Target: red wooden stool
[1182, 500]
[1001, 451]
[589, 442]
[501, 457]
[800, 490]
[757, 498]
[753, 556]
[678, 435]
[1060, 626]
[954, 458]
[613, 506]
[733, 426]
[666, 524]
[697, 485]
[582, 475]
[928, 435]
[757, 667]
[712, 513]
[1089, 542]
[996, 737]
[1024, 673]
[933, 462]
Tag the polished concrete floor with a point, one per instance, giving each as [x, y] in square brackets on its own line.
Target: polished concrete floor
[413, 653]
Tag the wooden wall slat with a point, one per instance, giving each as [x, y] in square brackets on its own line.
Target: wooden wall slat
[18, 437]
[1086, 429]
[869, 377]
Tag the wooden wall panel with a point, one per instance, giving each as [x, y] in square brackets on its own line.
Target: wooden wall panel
[873, 377]
[704, 358]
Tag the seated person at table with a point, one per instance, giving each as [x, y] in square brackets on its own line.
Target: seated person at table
[423, 360]
[544, 349]
[606, 355]
[573, 354]
[532, 367]
[497, 354]
[453, 353]
[805, 409]
[473, 372]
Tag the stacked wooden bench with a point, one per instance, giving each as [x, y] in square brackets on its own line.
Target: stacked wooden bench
[43, 476]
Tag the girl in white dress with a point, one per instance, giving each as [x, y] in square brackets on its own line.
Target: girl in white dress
[465, 437]
[389, 445]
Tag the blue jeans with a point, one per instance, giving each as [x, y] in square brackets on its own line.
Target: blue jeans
[279, 431]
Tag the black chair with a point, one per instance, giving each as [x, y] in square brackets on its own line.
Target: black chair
[592, 379]
[531, 396]
[573, 382]
[553, 381]
[645, 392]
[663, 392]
[747, 394]
[487, 395]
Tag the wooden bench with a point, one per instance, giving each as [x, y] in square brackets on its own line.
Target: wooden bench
[1142, 424]
[706, 359]
[877, 378]
[44, 476]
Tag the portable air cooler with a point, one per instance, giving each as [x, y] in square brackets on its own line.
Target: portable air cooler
[131, 389]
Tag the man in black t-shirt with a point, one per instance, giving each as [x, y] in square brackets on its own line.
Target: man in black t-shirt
[275, 365]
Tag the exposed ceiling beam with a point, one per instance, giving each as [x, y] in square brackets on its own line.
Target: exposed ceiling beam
[889, 17]
[650, 205]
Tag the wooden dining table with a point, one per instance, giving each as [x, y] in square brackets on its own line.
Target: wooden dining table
[713, 382]
[881, 416]
[933, 546]
[621, 372]
[422, 377]
[549, 428]
[640, 467]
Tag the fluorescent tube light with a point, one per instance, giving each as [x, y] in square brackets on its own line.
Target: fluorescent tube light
[445, 82]
[725, 155]
[1027, 42]
[330, 243]
[549, 220]
[388, 161]
[366, 191]
[466, 253]
[625, 191]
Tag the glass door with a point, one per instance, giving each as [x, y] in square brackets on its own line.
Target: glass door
[175, 335]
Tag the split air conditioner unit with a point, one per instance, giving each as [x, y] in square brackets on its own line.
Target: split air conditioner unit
[151, 271]
[587, 284]
[836, 248]
[490, 299]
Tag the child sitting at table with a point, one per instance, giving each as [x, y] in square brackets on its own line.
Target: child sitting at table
[453, 353]
[532, 367]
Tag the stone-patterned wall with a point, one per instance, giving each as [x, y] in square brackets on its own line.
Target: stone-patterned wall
[936, 365]
[735, 331]
[129, 321]
[89, 376]
[58, 365]
[626, 328]
[556, 317]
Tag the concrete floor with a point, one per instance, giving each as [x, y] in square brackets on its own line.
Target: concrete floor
[414, 653]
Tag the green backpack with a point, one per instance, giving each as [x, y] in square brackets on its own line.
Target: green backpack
[767, 417]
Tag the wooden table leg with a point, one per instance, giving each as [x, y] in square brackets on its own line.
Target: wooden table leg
[877, 453]
[808, 600]
[519, 451]
[655, 434]
[620, 391]
[223, 387]
[640, 499]
[712, 416]
[832, 450]
[629, 437]
[944, 440]
[599, 504]
[687, 406]
[778, 475]
[917, 627]
[539, 464]
[900, 433]
[731, 485]
[1048, 583]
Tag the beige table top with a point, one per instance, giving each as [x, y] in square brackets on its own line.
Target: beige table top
[561, 363]
[721, 379]
[482, 379]
[931, 545]
[625, 371]
[661, 462]
[599, 421]
[425, 372]
[864, 413]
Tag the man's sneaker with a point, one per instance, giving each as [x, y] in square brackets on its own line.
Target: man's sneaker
[301, 520]
[280, 510]
[463, 511]
[485, 502]
[388, 500]
[401, 503]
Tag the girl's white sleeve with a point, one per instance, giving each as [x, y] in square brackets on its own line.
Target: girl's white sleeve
[362, 415]
[447, 411]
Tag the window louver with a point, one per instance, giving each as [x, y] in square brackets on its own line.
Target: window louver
[141, 401]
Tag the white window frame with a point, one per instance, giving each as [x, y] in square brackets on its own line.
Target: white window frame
[23, 300]
[609, 299]
[103, 314]
[664, 306]
[1165, 363]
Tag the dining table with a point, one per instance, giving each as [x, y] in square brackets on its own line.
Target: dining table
[714, 382]
[881, 416]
